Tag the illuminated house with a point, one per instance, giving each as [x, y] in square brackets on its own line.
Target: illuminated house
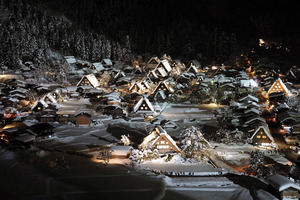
[139, 87]
[159, 139]
[165, 65]
[152, 63]
[88, 80]
[39, 106]
[278, 86]
[97, 67]
[49, 98]
[143, 106]
[262, 137]
[194, 66]
[164, 86]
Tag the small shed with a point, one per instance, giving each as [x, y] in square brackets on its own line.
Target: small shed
[83, 119]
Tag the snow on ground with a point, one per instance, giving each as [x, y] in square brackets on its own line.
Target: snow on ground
[198, 181]
[237, 159]
[178, 165]
[213, 188]
[279, 159]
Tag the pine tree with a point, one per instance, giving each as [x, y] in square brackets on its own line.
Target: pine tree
[193, 144]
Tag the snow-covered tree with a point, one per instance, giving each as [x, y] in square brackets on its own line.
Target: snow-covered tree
[193, 144]
[227, 136]
[125, 140]
[258, 166]
[293, 103]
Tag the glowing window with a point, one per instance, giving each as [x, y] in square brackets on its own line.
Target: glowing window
[258, 136]
[163, 146]
[264, 136]
[162, 142]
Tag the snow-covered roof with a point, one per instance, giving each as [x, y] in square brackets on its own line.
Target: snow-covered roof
[288, 115]
[249, 97]
[51, 98]
[98, 66]
[156, 59]
[166, 65]
[107, 61]
[20, 90]
[254, 110]
[139, 103]
[265, 130]
[154, 136]
[40, 101]
[255, 118]
[152, 72]
[281, 183]
[275, 87]
[70, 59]
[162, 71]
[91, 78]
[245, 83]
[166, 84]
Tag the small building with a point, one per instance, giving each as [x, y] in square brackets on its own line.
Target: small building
[279, 86]
[39, 106]
[83, 119]
[152, 63]
[143, 106]
[159, 139]
[97, 67]
[106, 62]
[193, 66]
[282, 187]
[164, 86]
[262, 137]
[88, 80]
[41, 131]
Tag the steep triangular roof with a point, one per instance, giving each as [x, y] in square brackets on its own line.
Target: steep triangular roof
[249, 97]
[166, 84]
[156, 135]
[143, 100]
[264, 128]
[166, 65]
[278, 86]
[92, 80]
[50, 97]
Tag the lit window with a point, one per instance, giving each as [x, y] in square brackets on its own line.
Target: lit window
[258, 136]
[264, 136]
[162, 142]
[162, 146]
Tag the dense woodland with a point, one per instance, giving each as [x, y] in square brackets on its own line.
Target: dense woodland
[207, 30]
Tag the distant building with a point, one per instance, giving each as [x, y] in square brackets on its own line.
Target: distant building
[83, 119]
[88, 80]
[279, 86]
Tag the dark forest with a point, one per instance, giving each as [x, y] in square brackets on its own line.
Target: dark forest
[208, 30]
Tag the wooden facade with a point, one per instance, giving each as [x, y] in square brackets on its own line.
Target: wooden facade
[83, 119]
[262, 137]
